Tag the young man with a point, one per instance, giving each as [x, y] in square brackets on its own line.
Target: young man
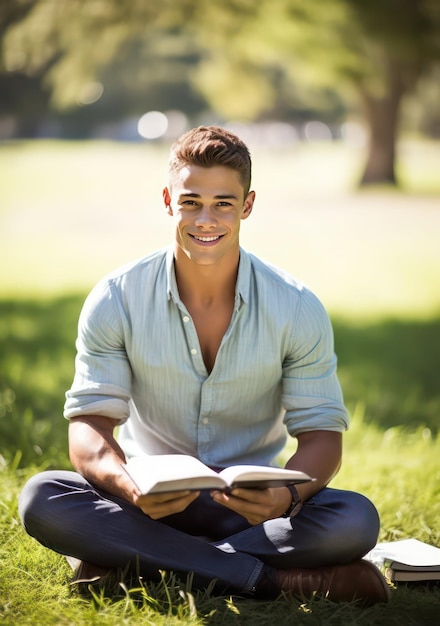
[205, 350]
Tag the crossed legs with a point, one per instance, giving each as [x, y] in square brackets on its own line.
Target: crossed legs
[67, 514]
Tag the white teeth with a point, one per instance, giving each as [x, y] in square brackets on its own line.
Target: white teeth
[206, 238]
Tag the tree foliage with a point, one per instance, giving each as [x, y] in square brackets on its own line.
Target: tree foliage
[354, 42]
[373, 51]
[73, 41]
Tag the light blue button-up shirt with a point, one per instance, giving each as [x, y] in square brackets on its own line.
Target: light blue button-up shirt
[139, 360]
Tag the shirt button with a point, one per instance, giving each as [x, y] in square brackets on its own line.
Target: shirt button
[205, 420]
[185, 319]
[194, 351]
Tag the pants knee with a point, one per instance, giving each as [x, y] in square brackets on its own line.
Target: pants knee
[364, 527]
[351, 524]
[30, 501]
[34, 505]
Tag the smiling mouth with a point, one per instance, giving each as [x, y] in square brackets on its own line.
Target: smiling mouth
[206, 239]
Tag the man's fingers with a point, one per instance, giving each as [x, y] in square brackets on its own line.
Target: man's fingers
[170, 495]
[256, 505]
[161, 505]
[251, 495]
[159, 498]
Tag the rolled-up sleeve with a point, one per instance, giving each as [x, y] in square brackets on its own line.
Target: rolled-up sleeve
[311, 394]
[102, 382]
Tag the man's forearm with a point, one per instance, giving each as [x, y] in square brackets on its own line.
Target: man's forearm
[96, 455]
[319, 454]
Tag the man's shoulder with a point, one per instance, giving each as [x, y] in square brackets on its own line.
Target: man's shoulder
[152, 263]
[270, 273]
[129, 281]
[282, 290]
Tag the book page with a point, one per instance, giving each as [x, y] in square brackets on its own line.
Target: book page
[177, 472]
[265, 476]
[174, 471]
[410, 552]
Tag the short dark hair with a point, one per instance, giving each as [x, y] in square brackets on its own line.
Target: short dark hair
[208, 146]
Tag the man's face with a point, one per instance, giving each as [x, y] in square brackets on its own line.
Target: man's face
[207, 205]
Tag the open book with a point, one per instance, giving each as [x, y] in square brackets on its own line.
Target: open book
[407, 560]
[178, 472]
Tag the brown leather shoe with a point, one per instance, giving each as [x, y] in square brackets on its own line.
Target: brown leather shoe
[87, 573]
[360, 581]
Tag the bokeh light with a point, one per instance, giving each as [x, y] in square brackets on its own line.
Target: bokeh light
[91, 92]
[152, 125]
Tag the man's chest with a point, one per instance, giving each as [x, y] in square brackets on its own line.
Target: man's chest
[211, 325]
[184, 343]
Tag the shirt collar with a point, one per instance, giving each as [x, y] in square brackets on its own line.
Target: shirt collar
[243, 279]
[172, 290]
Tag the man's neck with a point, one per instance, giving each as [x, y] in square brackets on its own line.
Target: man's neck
[206, 285]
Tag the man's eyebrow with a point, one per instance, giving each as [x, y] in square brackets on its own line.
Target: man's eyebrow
[225, 196]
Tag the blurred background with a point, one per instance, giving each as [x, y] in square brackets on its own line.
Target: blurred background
[338, 101]
[362, 73]
[332, 97]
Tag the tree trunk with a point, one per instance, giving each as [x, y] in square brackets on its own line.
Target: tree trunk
[382, 113]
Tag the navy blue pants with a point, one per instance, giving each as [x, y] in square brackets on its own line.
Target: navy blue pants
[67, 514]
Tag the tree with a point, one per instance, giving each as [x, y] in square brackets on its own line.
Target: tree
[128, 53]
[71, 41]
[398, 42]
[375, 50]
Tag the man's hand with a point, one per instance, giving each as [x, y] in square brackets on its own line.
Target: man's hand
[157, 505]
[96, 455]
[256, 505]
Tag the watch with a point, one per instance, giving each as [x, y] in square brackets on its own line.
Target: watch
[295, 505]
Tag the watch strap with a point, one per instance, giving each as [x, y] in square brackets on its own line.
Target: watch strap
[296, 504]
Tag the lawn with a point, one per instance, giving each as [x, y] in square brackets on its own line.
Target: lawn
[71, 212]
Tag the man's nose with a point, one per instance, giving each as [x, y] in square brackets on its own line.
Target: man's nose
[206, 217]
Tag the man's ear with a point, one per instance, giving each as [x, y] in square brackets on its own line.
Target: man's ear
[167, 200]
[248, 205]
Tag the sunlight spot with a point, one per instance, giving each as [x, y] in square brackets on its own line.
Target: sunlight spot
[177, 124]
[231, 606]
[90, 93]
[304, 608]
[426, 434]
[354, 133]
[317, 131]
[153, 125]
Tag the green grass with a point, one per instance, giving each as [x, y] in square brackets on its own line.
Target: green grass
[34, 585]
[70, 212]
[392, 454]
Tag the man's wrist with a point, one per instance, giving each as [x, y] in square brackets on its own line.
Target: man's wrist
[296, 503]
